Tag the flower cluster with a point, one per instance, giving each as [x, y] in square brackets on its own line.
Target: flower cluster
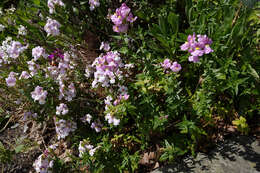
[44, 163]
[33, 67]
[68, 93]
[112, 119]
[62, 109]
[52, 27]
[107, 69]
[39, 95]
[108, 102]
[52, 3]
[15, 49]
[167, 64]
[37, 52]
[59, 65]
[94, 125]
[93, 4]
[85, 146]
[197, 46]
[11, 80]
[10, 49]
[121, 18]
[64, 127]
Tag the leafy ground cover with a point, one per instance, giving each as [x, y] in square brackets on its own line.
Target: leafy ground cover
[113, 86]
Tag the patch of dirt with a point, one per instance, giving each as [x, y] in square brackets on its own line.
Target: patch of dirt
[22, 161]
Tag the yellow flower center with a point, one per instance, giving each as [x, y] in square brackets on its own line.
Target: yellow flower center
[197, 48]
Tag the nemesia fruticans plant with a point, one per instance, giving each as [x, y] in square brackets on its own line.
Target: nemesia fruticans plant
[114, 92]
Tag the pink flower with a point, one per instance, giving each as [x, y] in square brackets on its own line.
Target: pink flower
[120, 28]
[166, 64]
[39, 95]
[121, 18]
[194, 59]
[93, 4]
[175, 67]
[105, 46]
[131, 18]
[124, 10]
[197, 47]
[117, 19]
[11, 80]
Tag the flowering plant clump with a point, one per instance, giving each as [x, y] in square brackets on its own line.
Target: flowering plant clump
[197, 46]
[107, 69]
[84, 146]
[121, 18]
[44, 163]
[106, 100]
[64, 127]
[167, 64]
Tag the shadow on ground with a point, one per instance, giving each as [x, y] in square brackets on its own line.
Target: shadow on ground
[239, 154]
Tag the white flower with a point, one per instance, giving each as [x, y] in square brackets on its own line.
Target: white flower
[52, 3]
[24, 75]
[22, 30]
[39, 95]
[52, 27]
[62, 109]
[37, 52]
[43, 164]
[105, 46]
[2, 27]
[112, 120]
[86, 118]
[93, 4]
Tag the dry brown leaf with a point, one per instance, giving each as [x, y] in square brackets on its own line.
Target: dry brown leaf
[145, 159]
[157, 165]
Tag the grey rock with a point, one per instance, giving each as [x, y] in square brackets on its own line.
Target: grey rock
[239, 154]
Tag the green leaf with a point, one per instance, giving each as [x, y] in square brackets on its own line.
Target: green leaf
[37, 2]
[19, 148]
[162, 25]
[173, 19]
[253, 72]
